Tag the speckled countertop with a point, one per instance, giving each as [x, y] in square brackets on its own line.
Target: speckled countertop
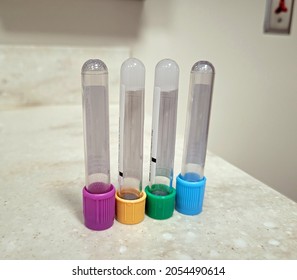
[42, 174]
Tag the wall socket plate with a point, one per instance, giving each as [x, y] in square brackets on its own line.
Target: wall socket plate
[278, 16]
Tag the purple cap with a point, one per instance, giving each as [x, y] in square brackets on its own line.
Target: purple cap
[99, 209]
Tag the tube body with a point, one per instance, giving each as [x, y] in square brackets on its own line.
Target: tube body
[96, 125]
[164, 127]
[197, 121]
[131, 129]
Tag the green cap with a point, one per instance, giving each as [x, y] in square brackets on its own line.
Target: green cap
[160, 201]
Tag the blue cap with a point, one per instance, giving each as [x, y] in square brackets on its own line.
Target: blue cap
[189, 196]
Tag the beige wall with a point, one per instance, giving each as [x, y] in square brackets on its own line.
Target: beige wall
[254, 113]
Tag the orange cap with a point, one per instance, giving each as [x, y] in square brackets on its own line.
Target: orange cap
[130, 212]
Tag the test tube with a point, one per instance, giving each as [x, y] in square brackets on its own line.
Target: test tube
[98, 193]
[190, 184]
[130, 199]
[160, 193]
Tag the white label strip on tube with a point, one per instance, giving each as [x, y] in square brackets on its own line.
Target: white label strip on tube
[156, 111]
[121, 132]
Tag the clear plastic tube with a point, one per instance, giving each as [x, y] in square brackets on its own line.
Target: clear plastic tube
[197, 123]
[164, 127]
[131, 129]
[94, 75]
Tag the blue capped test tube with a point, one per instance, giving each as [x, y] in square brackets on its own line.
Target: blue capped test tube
[190, 184]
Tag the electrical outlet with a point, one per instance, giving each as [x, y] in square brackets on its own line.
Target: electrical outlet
[278, 16]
